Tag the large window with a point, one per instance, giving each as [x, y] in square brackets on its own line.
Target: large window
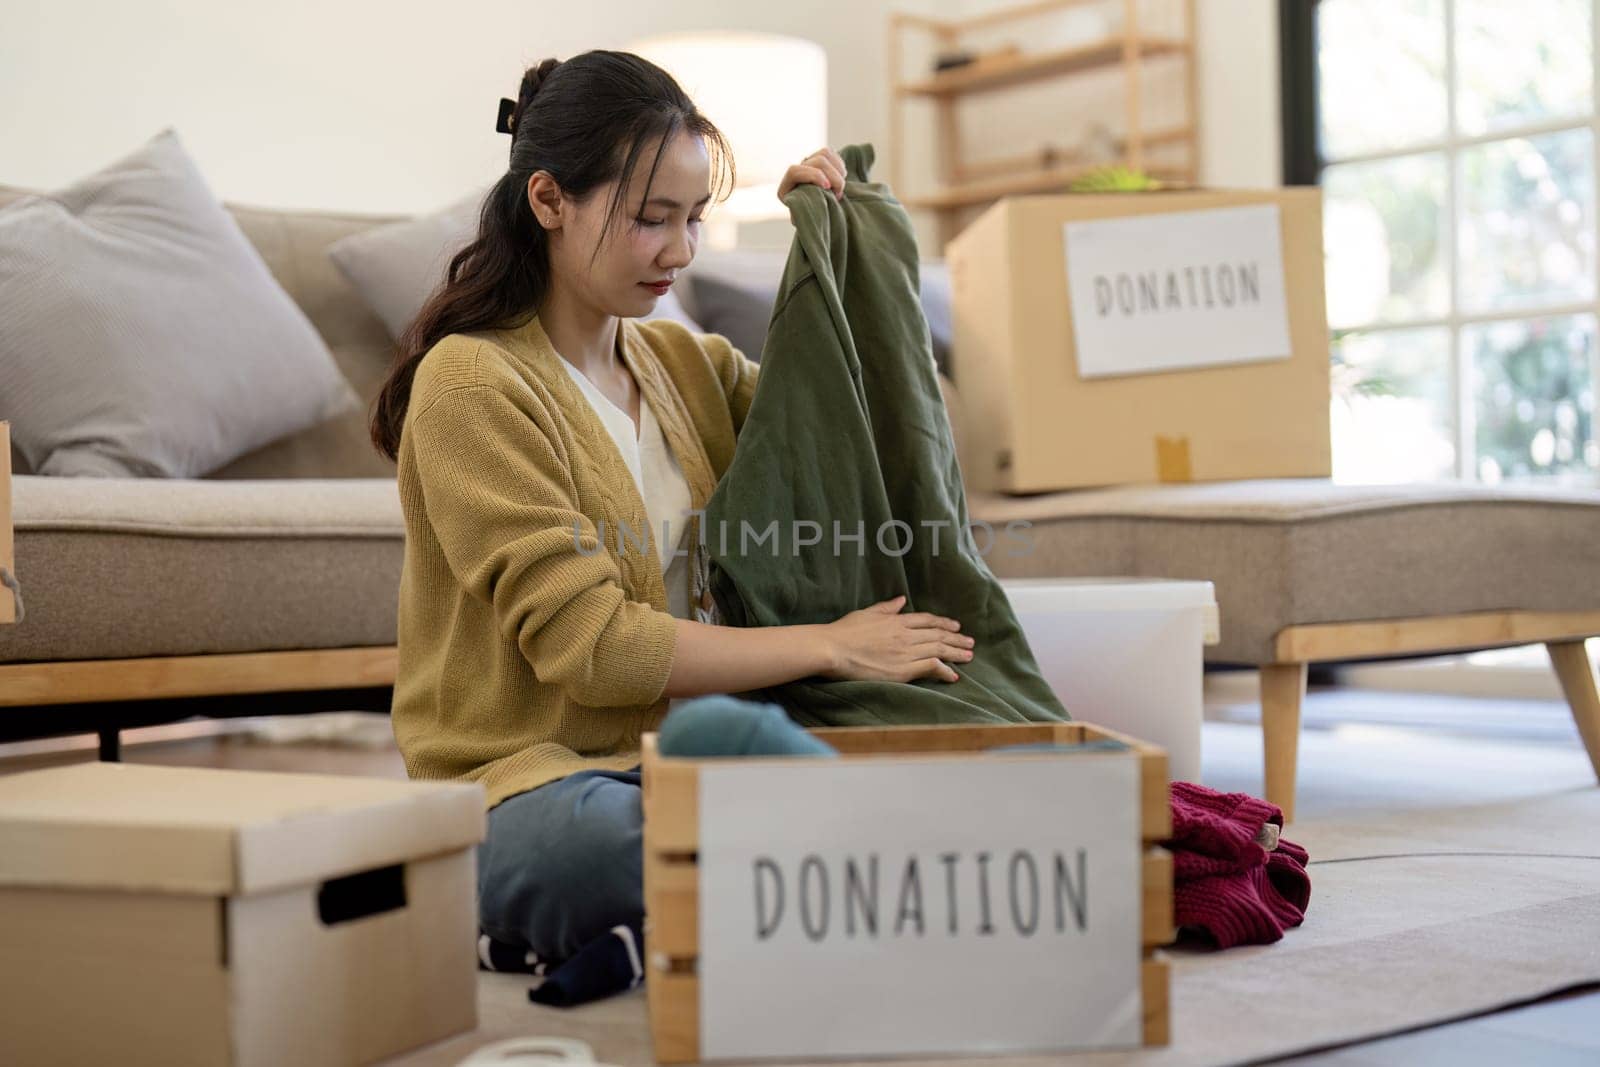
[1455, 141]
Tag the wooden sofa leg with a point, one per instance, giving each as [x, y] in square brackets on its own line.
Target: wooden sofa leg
[1571, 662]
[1283, 688]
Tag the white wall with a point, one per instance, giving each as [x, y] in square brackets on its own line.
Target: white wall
[364, 105]
[345, 104]
[1241, 145]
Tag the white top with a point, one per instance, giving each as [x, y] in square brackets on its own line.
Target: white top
[661, 484]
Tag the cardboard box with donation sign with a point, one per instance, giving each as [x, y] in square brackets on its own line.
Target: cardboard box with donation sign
[178, 915]
[1125, 338]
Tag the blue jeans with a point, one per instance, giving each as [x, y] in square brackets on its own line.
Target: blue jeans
[564, 863]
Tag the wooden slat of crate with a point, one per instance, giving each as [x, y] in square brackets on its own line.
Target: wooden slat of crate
[921, 740]
[678, 824]
[671, 875]
[1155, 991]
[671, 803]
[1155, 882]
[674, 1004]
[672, 919]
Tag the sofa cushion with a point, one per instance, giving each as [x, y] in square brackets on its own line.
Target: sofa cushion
[123, 567]
[141, 334]
[737, 308]
[397, 266]
[1297, 551]
[733, 293]
[115, 567]
[294, 245]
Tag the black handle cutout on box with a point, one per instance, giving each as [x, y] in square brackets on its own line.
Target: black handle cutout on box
[356, 896]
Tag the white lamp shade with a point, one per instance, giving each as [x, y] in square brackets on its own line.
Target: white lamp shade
[767, 93]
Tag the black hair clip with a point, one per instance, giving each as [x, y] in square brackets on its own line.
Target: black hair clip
[502, 124]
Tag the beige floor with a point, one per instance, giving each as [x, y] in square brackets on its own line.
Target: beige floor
[1364, 756]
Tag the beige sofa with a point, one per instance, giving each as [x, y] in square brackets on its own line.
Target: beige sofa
[149, 600]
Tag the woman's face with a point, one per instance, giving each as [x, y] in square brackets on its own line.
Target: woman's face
[650, 241]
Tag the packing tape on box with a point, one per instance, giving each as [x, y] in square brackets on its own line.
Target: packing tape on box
[1172, 460]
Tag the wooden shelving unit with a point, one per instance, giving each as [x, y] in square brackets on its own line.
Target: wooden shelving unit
[1005, 71]
[967, 185]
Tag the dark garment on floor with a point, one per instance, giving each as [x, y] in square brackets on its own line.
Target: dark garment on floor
[848, 431]
[605, 966]
[612, 963]
[1228, 887]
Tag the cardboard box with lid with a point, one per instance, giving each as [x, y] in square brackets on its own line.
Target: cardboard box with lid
[1037, 419]
[178, 915]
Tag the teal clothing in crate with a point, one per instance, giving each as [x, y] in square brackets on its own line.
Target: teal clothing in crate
[847, 445]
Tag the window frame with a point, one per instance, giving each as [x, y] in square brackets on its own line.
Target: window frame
[1304, 163]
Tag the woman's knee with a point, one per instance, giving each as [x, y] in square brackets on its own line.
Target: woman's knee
[564, 867]
[606, 829]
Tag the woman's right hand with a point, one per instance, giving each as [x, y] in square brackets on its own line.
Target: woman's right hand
[824, 167]
[878, 643]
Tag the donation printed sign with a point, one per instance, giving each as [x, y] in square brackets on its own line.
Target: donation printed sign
[865, 908]
[1175, 290]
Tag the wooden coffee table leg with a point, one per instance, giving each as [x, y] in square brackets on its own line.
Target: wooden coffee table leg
[1571, 662]
[1283, 688]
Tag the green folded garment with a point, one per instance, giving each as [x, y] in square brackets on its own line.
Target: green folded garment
[847, 445]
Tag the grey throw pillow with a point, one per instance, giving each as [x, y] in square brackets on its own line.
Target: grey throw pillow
[141, 335]
[733, 294]
[740, 310]
[397, 266]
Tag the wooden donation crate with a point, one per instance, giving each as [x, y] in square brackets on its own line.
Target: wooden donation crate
[934, 890]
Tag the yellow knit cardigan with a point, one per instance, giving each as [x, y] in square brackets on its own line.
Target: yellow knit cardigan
[526, 651]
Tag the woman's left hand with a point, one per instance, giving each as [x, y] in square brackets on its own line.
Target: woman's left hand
[824, 167]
